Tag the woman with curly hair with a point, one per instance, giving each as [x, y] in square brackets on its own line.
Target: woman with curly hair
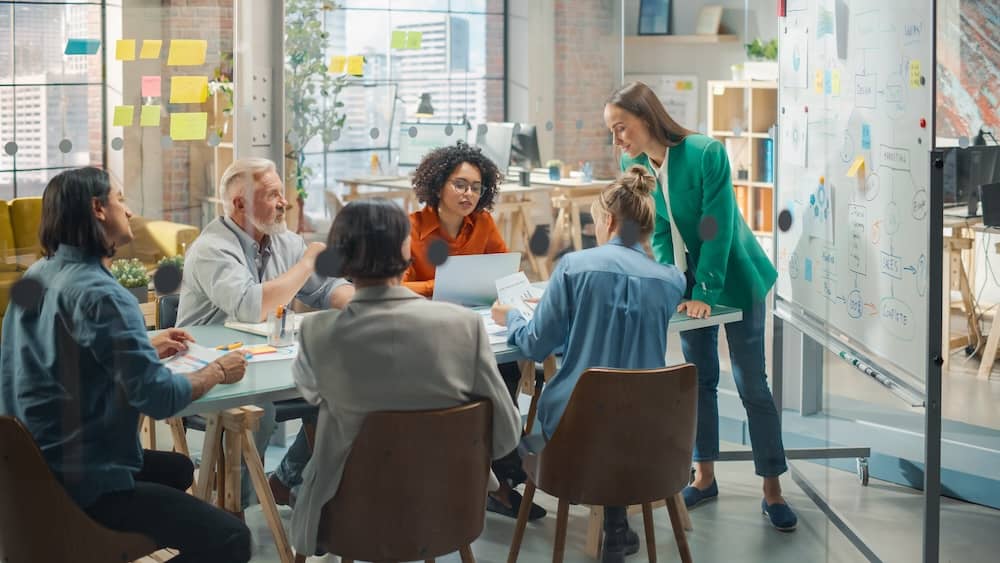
[457, 185]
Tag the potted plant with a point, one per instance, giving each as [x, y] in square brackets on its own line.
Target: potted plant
[763, 63]
[131, 273]
[555, 169]
[311, 91]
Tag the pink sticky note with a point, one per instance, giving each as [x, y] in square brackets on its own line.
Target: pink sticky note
[151, 86]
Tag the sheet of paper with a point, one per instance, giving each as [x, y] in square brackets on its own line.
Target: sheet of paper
[279, 354]
[151, 86]
[794, 136]
[123, 116]
[187, 52]
[151, 49]
[125, 50]
[188, 126]
[195, 358]
[150, 116]
[514, 290]
[188, 89]
[355, 65]
[82, 46]
[338, 64]
[496, 333]
[794, 60]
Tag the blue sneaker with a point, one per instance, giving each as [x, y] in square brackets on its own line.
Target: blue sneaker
[694, 496]
[781, 516]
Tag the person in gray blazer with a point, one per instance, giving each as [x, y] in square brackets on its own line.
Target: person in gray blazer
[389, 349]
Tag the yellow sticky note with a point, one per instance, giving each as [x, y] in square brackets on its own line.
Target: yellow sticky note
[835, 79]
[414, 39]
[149, 116]
[187, 52]
[856, 166]
[188, 89]
[337, 64]
[818, 82]
[123, 116]
[398, 39]
[125, 49]
[915, 74]
[151, 49]
[356, 65]
[188, 126]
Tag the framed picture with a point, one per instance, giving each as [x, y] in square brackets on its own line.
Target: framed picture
[654, 17]
[709, 20]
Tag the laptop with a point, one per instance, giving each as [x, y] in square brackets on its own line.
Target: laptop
[470, 280]
[990, 196]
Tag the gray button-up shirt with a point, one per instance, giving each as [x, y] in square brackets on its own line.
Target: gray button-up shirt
[225, 269]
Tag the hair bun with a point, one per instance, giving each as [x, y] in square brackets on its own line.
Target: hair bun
[638, 180]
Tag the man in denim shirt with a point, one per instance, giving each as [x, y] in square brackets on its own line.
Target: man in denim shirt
[77, 368]
[246, 264]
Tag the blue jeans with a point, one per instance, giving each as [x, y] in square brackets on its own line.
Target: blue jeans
[746, 352]
[290, 469]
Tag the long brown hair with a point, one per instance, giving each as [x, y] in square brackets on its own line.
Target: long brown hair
[640, 100]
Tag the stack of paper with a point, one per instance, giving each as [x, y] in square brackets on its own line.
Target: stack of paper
[496, 333]
[261, 328]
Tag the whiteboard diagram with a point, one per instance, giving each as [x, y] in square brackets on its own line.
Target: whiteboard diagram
[855, 113]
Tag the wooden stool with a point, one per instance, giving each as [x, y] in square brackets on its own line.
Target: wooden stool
[992, 342]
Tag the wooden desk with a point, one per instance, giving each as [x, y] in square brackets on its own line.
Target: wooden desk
[957, 261]
[389, 187]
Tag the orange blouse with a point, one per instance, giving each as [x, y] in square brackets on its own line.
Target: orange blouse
[478, 235]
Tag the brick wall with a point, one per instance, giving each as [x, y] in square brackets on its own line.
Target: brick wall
[587, 67]
[212, 20]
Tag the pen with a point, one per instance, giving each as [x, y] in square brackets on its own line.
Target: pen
[281, 315]
[229, 347]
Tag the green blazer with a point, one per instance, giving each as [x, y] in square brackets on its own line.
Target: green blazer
[730, 269]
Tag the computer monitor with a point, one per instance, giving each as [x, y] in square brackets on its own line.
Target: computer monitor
[495, 141]
[429, 137]
[524, 149]
[965, 169]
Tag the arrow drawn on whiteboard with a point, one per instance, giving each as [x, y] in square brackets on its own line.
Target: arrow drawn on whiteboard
[911, 269]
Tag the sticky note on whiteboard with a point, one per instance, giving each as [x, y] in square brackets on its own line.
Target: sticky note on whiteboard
[151, 49]
[866, 136]
[818, 82]
[149, 116]
[123, 116]
[82, 46]
[338, 63]
[188, 89]
[125, 50]
[151, 86]
[188, 126]
[356, 65]
[914, 74]
[187, 52]
[856, 166]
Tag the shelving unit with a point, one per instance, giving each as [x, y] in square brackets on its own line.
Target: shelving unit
[647, 41]
[741, 114]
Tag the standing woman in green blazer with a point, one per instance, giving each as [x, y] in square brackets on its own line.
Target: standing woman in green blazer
[708, 239]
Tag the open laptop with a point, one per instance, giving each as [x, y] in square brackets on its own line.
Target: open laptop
[470, 280]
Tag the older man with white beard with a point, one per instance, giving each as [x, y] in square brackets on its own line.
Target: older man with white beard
[245, 264]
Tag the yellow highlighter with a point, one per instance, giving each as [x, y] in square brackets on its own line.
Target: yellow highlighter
[230, 347]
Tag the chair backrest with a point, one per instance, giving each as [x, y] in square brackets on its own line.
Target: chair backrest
[25, 218]
[625, 438]
[39, 522]
[414, 486]
[166, 310]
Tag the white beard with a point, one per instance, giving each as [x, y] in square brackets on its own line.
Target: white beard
[270, 230]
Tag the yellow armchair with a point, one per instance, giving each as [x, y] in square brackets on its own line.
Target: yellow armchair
[155, 239]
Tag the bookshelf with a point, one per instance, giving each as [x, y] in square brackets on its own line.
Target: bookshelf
[740, 115]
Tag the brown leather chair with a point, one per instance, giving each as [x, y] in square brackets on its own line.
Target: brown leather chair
[39, 522]
[625, 438]
[414, 486]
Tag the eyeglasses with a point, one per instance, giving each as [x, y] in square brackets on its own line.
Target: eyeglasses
[461, 186]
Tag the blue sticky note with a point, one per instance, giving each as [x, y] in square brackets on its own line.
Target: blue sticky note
[809, 270]
[866, 136]
[827, 82]
[82, 46]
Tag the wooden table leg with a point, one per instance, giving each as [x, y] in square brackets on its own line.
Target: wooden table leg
[250, 421]
[595, 532]
[209, 457]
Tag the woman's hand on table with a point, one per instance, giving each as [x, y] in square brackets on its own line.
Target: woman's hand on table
[695, 309]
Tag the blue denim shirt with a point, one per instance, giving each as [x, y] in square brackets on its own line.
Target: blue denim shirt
[79, 369]
[609, 307]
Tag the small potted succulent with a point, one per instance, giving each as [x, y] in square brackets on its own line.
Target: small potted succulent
[555, 169]
[131, 273]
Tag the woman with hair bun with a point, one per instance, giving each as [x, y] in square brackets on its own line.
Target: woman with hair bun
[700, 230]
[596, 298]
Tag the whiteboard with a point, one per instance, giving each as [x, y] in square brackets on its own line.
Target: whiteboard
[677, 92]
[855, 133]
